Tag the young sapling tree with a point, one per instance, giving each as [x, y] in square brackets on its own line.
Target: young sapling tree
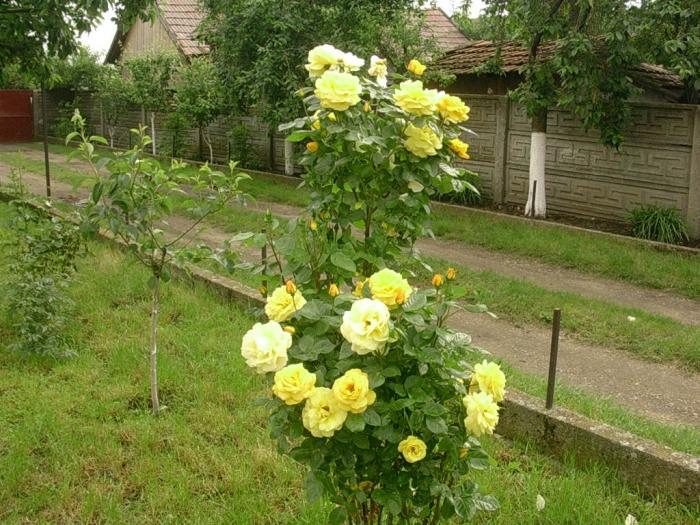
[133, 203]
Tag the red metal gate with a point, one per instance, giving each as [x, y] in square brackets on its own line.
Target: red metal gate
[16, 115]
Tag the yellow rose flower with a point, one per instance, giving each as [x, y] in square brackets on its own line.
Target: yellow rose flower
[322, 414]
[378, 69]
[281, 305]
[333, 290]
[412, 98]
[490, 379]
[264, 347]
[389, 287]
[293, 384]
[352, 391]
[459, 148]
[482, 413]
[312, 147]
[422, 142]
[413, 449]
[416, 67]
[366, 325]
[338, 91]
[452, 109]
[451, 274]
[438, 280]
[322, 58]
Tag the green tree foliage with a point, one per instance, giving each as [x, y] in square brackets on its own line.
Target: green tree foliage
[197, 97]
[12, 76]
[149, 80]
[259, 47]
[668, 33]
[480, 28]
[80, 71]
[31, 30]
[113, 95]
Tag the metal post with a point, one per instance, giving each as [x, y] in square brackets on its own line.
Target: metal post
[554, 350]
[46, 141]
[263, 255]
[534, 199]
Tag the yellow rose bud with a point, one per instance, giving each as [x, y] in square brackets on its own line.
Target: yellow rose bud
[437, 280]
[359, 290]
[333, 290]
[281, 305]
[290, 329]
[263, 291]
[422, 142]
[313, 225]
[312, 147]
[415, 67]
[322, 415]
[338, 91]
[387, 286]
[490, 379]
[316, 124]
[365, 486]
[451, 274]
[463, 451]
[482, 413]
[352, 391]
[459, 148]
[293, 384]
[452, 109]
[367, 107]
[290, 287]
[332, 117]
[412, 98]
[413, 449]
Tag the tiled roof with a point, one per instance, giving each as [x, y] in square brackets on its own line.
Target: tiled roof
[465, 59]
[439, 26]
[181, 18]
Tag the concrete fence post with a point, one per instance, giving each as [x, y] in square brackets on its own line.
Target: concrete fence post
[693, 211]
[500, 150]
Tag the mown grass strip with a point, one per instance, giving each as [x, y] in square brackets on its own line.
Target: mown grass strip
[79, 443]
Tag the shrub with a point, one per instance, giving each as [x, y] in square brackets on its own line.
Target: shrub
[370, 388]
[471, 195]
[44, 253]
[657, 223]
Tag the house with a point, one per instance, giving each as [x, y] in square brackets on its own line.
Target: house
[175, 30]
[657, 83]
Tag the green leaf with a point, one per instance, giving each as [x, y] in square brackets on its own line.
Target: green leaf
[314, 487]
[436, 425]
[372, 418]
[341, 260]
[298, 136]
[355, 423]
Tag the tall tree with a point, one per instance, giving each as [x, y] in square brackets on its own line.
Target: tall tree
[259, 47]
[588, 53]
[113, 94]
[197, 97]
[668, 33]
[149, 76]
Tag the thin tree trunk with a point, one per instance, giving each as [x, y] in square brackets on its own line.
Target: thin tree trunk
[536, 197]
[110, 132]
[288, 158]
[200, 141]
[153, 132]
[155, 305]
[207, 139]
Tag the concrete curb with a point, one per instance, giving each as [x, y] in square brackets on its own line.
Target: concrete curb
[650, 467]
[662, 246]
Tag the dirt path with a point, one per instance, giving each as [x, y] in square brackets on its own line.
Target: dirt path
[661, 392]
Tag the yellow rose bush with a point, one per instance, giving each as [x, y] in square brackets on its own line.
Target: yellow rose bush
[375, 394]
[380, 146]
[378, 401]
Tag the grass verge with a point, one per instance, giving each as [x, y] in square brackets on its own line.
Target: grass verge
[78, 443]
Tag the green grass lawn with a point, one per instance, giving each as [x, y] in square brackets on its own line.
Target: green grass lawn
[78, 443]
